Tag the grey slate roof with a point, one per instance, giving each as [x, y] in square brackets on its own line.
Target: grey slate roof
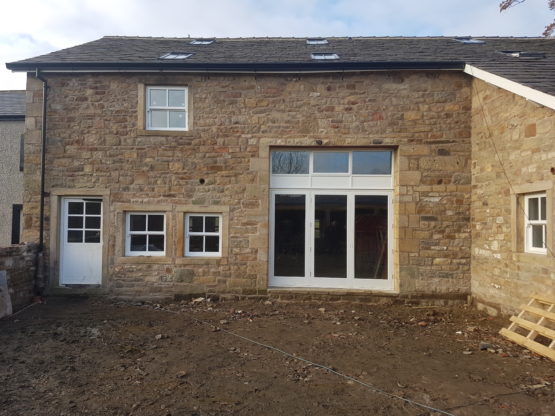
[12, 104]
[293, 54]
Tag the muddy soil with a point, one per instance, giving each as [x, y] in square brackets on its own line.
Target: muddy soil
[75, 356]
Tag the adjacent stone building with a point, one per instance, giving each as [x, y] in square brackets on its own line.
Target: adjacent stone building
[12, 127]
[341, 166]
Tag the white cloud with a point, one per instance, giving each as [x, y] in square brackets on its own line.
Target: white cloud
[33, 27]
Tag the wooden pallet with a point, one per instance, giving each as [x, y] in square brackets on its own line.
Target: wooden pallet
[537, 318]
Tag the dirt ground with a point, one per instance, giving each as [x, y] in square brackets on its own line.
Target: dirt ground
[74, 356]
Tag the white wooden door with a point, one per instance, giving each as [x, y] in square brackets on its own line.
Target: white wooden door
[81, 241]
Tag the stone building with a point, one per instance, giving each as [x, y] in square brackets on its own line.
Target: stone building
[12, 127]
[398, 167]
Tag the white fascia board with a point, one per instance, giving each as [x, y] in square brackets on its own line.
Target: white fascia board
[531, 94]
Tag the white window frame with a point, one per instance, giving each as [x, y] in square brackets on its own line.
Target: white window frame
[188, 234]
[351, 185]
[528, 223]
[333, 180]
[129, 233]
[167, 108]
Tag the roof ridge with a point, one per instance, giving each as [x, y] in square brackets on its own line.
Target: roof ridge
[318, 36]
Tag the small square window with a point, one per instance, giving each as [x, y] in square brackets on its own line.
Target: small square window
[203, 235]
[145, 234]
[535, 223]
[166, 108]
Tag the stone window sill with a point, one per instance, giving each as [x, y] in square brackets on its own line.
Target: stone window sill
[144, 260]
[201, 260]
[161, 133]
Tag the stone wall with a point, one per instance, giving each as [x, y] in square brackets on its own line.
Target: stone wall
[19, 262]
[97, 145]
[11, 179]
[513, 152]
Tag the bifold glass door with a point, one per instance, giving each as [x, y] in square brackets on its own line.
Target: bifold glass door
[289, 241]
[333, 239]
[330, 236]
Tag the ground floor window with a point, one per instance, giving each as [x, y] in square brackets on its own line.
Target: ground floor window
[203, 235]
[145, 234]
[535, 223]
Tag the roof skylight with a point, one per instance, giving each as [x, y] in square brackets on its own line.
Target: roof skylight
[468, 40]
[202, 41]
[524, 54]
[324, 56]
[316, 41]
[176, 55]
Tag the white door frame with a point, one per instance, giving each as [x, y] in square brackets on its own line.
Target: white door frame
[80, 263]
[309, 280]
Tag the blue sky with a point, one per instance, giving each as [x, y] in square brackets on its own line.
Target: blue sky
[34, 27]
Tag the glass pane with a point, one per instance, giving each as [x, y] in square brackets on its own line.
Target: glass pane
[176, 98]
[74, 236]
[195, 224]
[158, 98]
[212, 244]
[372, 163]
[177, 119]
[290, 162]
[543, 201]
[330, 236]
[155, 223]
[533, 208]
[75, 208]
[74, 222]
[211, 224]
[196, 243]
[155, 243]
[92, 236]
[138, 243]
[93, 208]
[537, 236]
[370, 237]
[92, 222]
[331, 162]
[158, 118]
[289, 236]
[137, 222]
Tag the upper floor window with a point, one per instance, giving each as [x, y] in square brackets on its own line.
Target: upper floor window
[535, 223]
[166, 108]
